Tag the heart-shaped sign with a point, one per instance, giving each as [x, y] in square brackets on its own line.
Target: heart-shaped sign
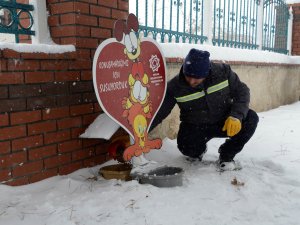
[130, 84]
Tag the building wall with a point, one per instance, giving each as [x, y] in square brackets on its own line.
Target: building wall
[48, 100]
[296, 29]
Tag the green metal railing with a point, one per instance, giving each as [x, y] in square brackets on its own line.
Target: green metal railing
[171, 20]
[275, 26]
[235, 23]
[248, 24]
[16, 18]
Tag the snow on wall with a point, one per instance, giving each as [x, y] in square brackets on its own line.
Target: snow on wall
[176, 50]
[42, 48]
[292, 1]
[172, 50]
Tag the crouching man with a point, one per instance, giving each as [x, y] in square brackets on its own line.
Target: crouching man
[213, 103]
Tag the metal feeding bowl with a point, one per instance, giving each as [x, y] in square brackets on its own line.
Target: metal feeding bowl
[162, 177]
[117, 171]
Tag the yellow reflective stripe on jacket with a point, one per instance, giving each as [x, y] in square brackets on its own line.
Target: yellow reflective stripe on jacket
[217, 87]
[190, 97]
[200, 94]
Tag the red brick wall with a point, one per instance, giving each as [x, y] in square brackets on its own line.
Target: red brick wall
[296, 30]
[48, 100]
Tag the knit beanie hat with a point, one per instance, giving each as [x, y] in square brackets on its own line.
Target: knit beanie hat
[196, 64]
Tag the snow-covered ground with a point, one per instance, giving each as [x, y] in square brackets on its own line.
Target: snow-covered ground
[270, 195]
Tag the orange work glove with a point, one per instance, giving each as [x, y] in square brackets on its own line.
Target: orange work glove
[232, 125]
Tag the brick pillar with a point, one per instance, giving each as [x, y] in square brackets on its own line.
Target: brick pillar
[296, 30]
[84, 24]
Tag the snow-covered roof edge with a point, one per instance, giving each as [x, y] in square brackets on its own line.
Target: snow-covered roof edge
[180, 50]
[38, 48]
[292, 1]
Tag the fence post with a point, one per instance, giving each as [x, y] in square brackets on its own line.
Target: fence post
[208, 19]
[42, 34]
[260, 21]
[290, 31]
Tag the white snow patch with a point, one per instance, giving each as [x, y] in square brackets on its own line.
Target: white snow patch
[270, 194]
[102, 127]
[292, 1]
[39, 48]
[180, 50]
[48, 111]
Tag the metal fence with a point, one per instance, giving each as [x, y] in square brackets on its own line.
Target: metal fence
[16, 18]
[275, 26]
[250, 24]
[171, 20]
[235, 23]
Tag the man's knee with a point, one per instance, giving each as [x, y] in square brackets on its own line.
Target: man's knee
[191, 140]
[252, 119]
[191, 150]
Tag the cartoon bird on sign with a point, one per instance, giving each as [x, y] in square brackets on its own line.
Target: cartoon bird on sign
[137, 105]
